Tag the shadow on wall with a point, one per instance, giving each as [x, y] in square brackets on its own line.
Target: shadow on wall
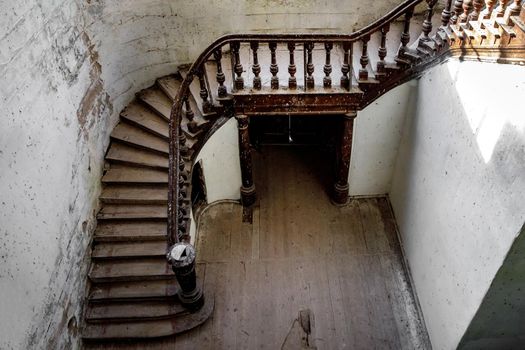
[458, 189]
[500, 320]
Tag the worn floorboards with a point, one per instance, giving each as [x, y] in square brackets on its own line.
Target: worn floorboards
[301, 252]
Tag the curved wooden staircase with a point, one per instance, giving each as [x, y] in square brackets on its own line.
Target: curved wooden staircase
[133, 292]
[133, 289]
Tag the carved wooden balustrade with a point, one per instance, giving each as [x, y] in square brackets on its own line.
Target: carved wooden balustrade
[245, 74]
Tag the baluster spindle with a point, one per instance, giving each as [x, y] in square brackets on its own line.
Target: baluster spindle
[489, 7]
[405, 36]
[345, 68]
[515, 8]
[501, 8]
[310, 83]
[363, 72]
[206, 104]
[274, 68]
[446, 14]
[427, 23]
[467, 6]
[189, 114]
[478, 5]
[237, 68]
[292, 81]
[256, 68]
[327, 80]
[458, 9]
[184, 150]
[381, 52]
[221, 89]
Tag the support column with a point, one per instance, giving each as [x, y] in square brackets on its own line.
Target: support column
[248, 194]
[340, 193]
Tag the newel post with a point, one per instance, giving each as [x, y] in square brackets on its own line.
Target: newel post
[181, 256]
[340, 193]
[248, 194]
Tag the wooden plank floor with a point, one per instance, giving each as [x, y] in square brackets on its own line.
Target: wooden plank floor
[301, 252]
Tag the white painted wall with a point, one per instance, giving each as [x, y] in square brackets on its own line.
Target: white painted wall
[220, 163]
[377, 134]
[53, 133]
[459, 187]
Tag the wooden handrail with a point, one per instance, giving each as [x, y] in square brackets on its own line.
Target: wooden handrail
[449, 39]
[176, 111]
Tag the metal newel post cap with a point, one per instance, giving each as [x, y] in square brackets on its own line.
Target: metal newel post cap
[181, 254]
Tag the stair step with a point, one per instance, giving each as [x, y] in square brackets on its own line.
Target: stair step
[135, 270]
[137, 114]
[130, 211]
[125, 250]
[129, 311]
[148, 194]
[170, 85]
[518, 22]
[505, 27]
[133, 291]
[135, 175]
[129, 231]
[476, 26]
[134, 136]
[149, 328]
[124, 154]
[489, 26]
[156, 100]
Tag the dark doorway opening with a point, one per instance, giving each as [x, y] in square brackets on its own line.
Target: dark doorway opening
[199, 197]
[294, 130]
[314, 141]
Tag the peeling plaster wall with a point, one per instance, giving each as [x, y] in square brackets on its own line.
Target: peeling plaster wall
[53, 133]
[459, 187]
[139, 41]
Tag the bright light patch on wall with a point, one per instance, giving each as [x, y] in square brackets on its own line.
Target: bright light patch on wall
[477, 95]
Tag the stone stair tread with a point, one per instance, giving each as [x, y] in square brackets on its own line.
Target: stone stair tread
[125, 154]
[139, 269]
[122, 311]
[130, 211]
[133, 291]
[141, 116]
[135, 194]
[157, 101]
[130, 231]
[509, 30]
[133, 135]
[518, 22]
[135, 175]
[476, 26]
[489, 26]
[170, 85]
[121, 250]
[149, 328]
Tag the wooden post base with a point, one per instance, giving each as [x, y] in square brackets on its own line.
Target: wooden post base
[248, 195]
[340, 194]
